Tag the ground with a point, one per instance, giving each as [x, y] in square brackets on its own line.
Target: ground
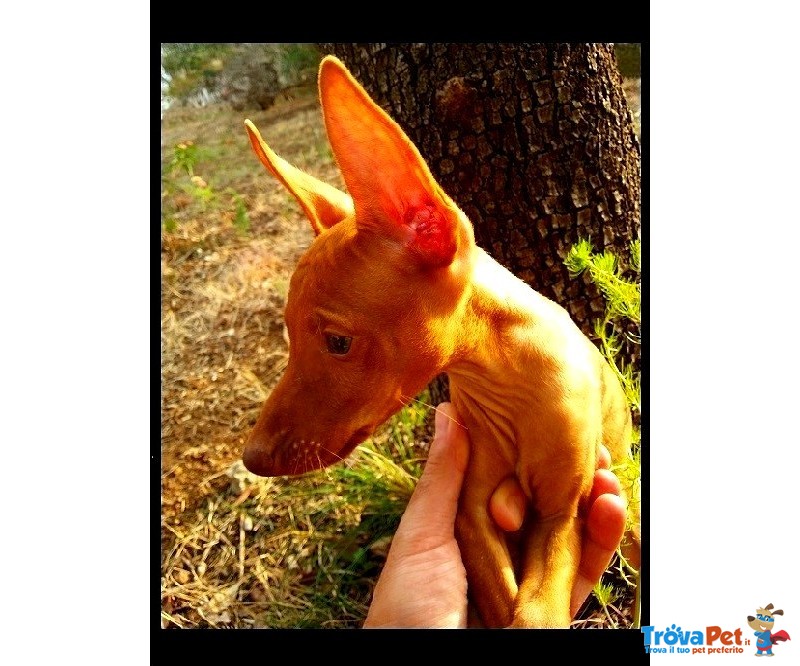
[223, 292]
[238, 551]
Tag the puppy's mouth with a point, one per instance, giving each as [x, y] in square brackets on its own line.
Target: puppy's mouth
[358, 436]
[292, 456]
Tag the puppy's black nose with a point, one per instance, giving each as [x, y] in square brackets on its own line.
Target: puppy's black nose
[257, 461]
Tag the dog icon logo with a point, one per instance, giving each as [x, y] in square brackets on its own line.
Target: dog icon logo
[763, 623]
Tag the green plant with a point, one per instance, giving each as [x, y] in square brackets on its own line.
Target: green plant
[189, 67]
[200, 190]
[295, 59]
[192, 57]
[606, 595]
[240, 219]
[184, 158]
[622, 317]
[622, 294]
[192, 65]
[623, 302]
[629, 59]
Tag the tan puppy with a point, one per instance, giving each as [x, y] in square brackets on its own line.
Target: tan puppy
[393, 291]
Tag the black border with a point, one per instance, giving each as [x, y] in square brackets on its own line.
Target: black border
[627, 25]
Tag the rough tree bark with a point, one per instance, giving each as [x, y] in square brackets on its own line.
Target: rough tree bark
[535, 143]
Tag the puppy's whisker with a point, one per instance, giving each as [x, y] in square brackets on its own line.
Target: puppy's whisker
[404, 399]
[333, 453]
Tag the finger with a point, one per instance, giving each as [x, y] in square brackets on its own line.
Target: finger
[605, 481]
[603, 458]
[432, 509]
[507, 505]
[605, 526]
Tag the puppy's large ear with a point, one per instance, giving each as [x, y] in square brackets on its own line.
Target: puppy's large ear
[392, 188]
[323, 204]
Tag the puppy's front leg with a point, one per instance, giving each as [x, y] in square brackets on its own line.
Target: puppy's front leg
[552, 557]
[484, 550]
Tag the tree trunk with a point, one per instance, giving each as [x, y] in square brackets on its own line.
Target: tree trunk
[535, 143]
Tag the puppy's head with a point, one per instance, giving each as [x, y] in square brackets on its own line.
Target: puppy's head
[370, 305]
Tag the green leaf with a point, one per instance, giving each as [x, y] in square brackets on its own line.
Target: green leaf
[623, 301]
[240, 220]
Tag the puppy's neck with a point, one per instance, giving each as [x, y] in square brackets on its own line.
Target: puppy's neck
[511, 340]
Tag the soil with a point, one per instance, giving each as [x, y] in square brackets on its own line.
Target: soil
[223, 293]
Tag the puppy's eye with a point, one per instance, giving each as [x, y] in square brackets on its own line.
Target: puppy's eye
[338, 344]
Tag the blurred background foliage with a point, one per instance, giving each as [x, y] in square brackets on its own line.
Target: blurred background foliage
[629, 60]
[244, 74]
[251, 76]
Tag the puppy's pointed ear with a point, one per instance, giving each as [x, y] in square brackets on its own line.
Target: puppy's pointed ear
[392, 188]
[323, 204]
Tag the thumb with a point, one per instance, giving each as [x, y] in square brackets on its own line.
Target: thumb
[432, 508]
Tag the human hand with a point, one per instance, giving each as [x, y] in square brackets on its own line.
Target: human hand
[605, 524]
[424, 583]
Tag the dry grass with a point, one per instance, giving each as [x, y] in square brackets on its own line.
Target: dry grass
[274, 553]
[241, 551]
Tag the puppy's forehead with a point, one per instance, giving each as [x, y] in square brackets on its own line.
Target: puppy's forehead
[331, 256]
[334, 271]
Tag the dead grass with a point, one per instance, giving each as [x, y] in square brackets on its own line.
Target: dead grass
[272, 553]
[237, 550]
